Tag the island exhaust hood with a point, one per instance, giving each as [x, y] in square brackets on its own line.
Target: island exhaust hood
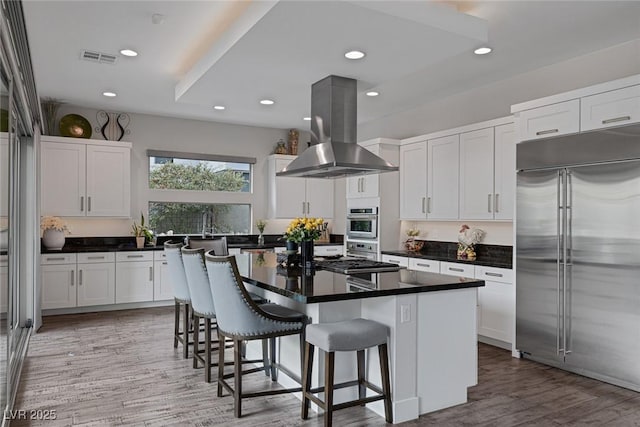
[334, 152]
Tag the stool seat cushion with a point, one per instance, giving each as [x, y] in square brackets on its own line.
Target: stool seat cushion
[281, 311]
[348, 335]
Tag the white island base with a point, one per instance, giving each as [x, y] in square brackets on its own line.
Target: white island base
[432, 348]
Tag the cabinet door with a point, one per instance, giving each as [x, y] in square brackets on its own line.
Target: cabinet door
[497, 304]
[58, 285]
[134, 281]
[505, 172]
[289, 194]
[367, 185]
[162, 289]
[96, 283]
[108, 181]
[62, 179]
[393, 259]
[550, 120]
[443, 177]
[476, 174]
[413, 181]
[354, 184]
[420, 264]
[319, 196]
[328, 250]
[614, 108]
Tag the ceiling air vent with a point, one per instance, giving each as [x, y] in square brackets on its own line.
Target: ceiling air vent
[93, 56]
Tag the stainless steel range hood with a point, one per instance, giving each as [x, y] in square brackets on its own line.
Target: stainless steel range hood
[334, 152]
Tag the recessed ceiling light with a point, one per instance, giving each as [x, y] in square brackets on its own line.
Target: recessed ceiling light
[128, 52]
[267, 102]
[354, 54]
[308, 119]
[482, 50]
[219, 107]
[109, 94]
[372, 93]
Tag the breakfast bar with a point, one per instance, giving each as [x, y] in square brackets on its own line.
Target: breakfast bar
[431, 317]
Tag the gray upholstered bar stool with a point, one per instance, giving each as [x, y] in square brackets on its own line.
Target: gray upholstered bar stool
[349, 335]
[181, 295]
[241, 319]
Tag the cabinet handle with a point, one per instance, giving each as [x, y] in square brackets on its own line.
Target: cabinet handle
[79, 277]
[363, 184]
[72, 277]
[308, 207]
[493, 274]
[331, 250]
[424, 200]
[428, 204]
[60, 258]
[81, 203]
[135, 256]
[151, 274]
[497, 204]
[489, 203]
[616, 119]
[303, 208]
[164, 263]
[95, 257]
[420, 264]
[89, 204]
[459, 270]
[545, 132]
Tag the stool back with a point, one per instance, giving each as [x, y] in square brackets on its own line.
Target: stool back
[198, 281]
[236, 313]
[176, 271]
[218, 245]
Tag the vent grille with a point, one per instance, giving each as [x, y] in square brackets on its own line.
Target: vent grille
[93, 56]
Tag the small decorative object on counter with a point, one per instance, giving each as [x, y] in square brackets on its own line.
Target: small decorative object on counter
[141, 232]
[53, 229]
[411, 244]
[260, 225]
[304, 231]
[467, 239]
[293, 142]
[281, 148]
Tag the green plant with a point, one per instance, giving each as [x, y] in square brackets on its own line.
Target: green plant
[261, 224]
[142, 230]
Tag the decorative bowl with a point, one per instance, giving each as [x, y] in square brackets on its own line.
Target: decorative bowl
[75, 126]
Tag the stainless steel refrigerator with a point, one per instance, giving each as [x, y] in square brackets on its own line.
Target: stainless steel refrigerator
[578, 254]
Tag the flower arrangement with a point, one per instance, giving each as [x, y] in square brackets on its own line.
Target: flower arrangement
[52, 223]
[141, 230]
[304, 229]
[467, 239]
[260, 225]
[411, 244]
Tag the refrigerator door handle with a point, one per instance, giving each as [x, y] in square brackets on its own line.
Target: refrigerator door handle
[559, 262]
[568, 262]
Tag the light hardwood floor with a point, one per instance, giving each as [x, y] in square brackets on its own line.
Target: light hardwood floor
[120, 368]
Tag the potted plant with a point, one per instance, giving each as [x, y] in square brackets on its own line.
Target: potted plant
[411, 244]
[260, 225]
[53, 229]
[141, 232]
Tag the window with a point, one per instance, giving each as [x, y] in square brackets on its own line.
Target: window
[196, 193]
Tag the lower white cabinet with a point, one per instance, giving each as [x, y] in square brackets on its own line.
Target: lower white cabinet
[393, 259]
[428, 265]
[497, 303]
[162, 289]
[59, 284]
[96, 278]
[134, 277]
[457, 269]
[328, 250]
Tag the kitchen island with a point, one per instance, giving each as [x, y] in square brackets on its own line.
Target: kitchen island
[431, 317]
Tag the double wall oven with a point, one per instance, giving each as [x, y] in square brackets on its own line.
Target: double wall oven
[362, 223]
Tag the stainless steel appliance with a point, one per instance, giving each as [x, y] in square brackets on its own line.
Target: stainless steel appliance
[368, 250]
[362, 223]
[578, 254]
[359, 265]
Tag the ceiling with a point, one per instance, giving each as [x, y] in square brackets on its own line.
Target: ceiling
[234, 53]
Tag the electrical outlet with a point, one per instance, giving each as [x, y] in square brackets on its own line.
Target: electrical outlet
[405, 313]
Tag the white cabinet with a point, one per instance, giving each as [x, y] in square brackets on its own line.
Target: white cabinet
[96, 278]
[496, 302]
[488, 173]
[58, 279]
[367, 185]
[551, 120]
[162, 289]
[428, 265]
[413, 181]
[393, 259]
[442, 182]
[134, 276]
[328, 250]
[293, 197]
[85, 178]
[457, 269]
[608, 109]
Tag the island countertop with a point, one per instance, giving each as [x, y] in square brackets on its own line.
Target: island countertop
[261, 270]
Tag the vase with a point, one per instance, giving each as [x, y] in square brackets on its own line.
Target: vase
[306, 255]
[140, 242]
[292, 247]
[260, 239]
[53, 239]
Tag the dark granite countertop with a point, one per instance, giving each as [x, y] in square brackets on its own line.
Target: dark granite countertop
[487, 255]
[324, 286]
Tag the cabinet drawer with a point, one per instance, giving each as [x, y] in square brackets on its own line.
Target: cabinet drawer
[420, 264]
[455, 269]
[493, 274]
[615, 108]
[134, 256]
[47, 259]
[159, 256]
[328, 250]
[550, 120]
[393, 259]
[94, 257]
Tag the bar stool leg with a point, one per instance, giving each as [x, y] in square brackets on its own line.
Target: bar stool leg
[362, 390]
[386, 384]
[222, 340]
[196, 341]
[272, 352]
[306, 379]
[265, 357]
[237, 377]
[207, 347]
[329, 360]
[185, 332]
[176, 325]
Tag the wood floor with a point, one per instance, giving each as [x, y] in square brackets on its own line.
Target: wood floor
[120, 368]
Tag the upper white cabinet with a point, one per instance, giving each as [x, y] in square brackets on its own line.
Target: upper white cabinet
[293, 197]
[487, 173]
[614, 108]
[551, 120]
[368, 186]
[85, 178]
[413, 181]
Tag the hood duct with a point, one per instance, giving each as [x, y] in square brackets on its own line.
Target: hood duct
[334, 152]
